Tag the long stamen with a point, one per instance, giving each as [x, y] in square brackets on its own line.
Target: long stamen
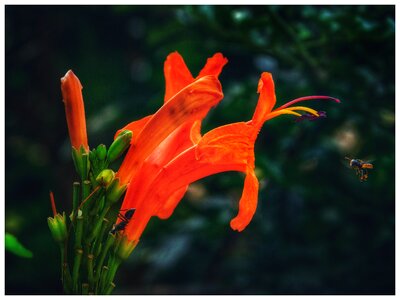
[306, 99]
[303, 108]
[281, 112]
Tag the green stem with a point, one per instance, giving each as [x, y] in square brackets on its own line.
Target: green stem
[79, 232]
[65, 274]
[97, 245]
[75, 200]
[113, 265]
[90, 271]
[85, 288]
[98, 224]
[103, 229]
[67, 283]
[110, 288]
[109, 242]
[104, 275]
[75, 271]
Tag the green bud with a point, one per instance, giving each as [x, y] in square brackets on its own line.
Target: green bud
[58, 227]
[92, 155]
[101, 152]
[120, 144]
[115, 191]
[105, 177]
[125, 247]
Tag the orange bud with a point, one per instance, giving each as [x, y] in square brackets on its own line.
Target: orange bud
[71, 89]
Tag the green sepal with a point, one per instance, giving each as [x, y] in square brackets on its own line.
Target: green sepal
[115, 191]
[81, 162]
[125, 247]
[120, 144]
[14, 246]
[58, 227]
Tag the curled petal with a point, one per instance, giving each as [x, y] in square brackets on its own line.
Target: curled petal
[177, 75]
[247, 204]
[190, 104]
[214, 65]
[266, 100]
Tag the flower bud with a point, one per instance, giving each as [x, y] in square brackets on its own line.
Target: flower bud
[105, 177]
[101, 152]
[120, 144]
[58, 227]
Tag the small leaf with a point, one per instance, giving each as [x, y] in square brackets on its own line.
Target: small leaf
[14, 246]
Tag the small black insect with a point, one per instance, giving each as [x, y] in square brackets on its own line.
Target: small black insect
[126, 217]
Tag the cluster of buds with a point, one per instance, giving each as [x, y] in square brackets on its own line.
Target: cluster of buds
[87, 234]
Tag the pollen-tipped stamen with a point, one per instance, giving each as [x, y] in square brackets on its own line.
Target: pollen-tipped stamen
[304, 108]
[276, 113]
[306, 99]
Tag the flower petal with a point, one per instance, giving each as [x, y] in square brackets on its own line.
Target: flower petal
[190, 104]
[169, 206]
[247, 203]
[135, 126]
[266, 100]
[214, 65]
[172, 146]
[226, 148]
[177, 75]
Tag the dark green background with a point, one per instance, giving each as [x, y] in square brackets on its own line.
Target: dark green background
[317, 230]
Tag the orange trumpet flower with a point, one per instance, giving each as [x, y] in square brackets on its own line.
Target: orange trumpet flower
[226, 148]
[71, 89]
[187, 100]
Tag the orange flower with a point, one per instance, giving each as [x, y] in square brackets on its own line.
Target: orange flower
[187, 100]
[71, 89]
[226, 148]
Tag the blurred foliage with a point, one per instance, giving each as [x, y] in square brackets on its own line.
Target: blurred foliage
[317, 229]
[14, 246]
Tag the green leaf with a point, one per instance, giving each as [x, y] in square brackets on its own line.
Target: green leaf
[14, 246]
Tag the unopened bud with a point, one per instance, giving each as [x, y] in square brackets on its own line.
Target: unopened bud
[58, 227]
[101, 152]
[120, 144]
[105, 177]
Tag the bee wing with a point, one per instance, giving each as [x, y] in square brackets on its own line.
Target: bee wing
[367, 163]
[367, 166]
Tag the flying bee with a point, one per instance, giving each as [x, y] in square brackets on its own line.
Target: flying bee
[126, 217]
[361, 167]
